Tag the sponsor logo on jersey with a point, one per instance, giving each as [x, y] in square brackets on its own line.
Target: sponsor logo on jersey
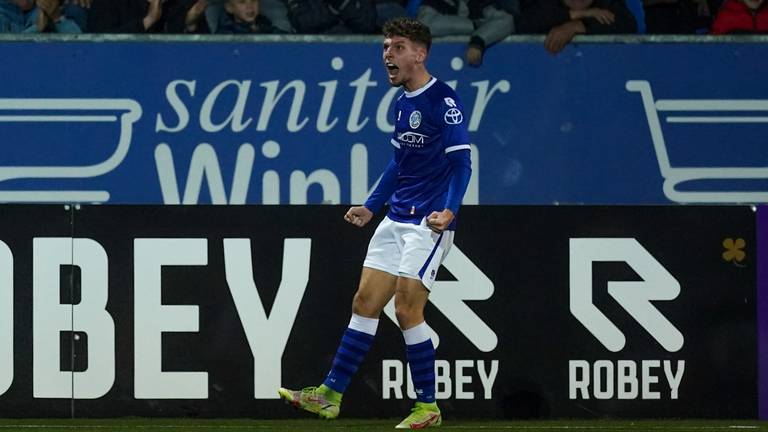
[414, 138]
[453, 116]
[415, 119]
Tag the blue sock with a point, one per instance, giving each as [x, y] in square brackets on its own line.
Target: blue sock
[355, 343]
[421, 358]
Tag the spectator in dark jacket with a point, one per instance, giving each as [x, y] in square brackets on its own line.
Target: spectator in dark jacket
[146, 16]
[561, 20]
[741, 16]
[389, 9]
[484, 21]
[678, 16]
[332, 16]
[243, 17]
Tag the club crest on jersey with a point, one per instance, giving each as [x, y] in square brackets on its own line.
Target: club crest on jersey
[415, 120]
[453, 116]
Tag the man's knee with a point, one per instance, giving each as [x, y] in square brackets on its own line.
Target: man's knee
[408, 315]
[363, 305]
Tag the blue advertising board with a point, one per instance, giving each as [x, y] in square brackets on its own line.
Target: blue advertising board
[307, 122]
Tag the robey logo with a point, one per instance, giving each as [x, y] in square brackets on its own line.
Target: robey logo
[452, 378]
[622, 379]
[634, 296]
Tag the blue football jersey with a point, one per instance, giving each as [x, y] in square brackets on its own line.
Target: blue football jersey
[429, 124]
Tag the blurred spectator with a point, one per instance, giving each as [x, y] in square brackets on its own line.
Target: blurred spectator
[389, 9]
[30, 16]
[191, 16]
[741, 17]
[243, 17]
[561, 20]
[277, 13]
[677, 16]
[332, 16]
[483, 20]
[146, 16]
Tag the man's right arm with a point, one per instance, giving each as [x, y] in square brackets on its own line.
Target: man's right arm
[361, 215]
[384, 190]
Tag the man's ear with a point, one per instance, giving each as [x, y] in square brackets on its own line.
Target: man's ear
[421, 56]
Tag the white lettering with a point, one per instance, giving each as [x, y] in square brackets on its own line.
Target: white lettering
[235, 118]
[603, 388]
[361, 85]
[267, 336]
[487, 378]
[483, 98]
[89, 315]
[391, 385]
[204, 163]
[674, 379]
[152, 318]
[627, 379]
[649, 379]
[178, 106]
[325, 107]
[462, 379]
[273, 96]
[385, 107]
[393, 379]
[578, 379]
[328, 181]
[620, 379]
[442, 379]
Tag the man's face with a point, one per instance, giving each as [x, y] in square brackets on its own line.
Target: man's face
[243, 10]
[753, 4]
[401, 56]
[578, 4]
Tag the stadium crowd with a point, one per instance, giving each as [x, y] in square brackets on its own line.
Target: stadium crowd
[483, 22]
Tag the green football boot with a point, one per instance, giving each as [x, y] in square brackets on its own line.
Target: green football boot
[423, 415]
[319, 400]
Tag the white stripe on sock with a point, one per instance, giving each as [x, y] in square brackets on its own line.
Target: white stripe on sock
[416, 335]
[363, 324]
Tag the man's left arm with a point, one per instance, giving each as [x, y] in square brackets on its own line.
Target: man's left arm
[457, 151]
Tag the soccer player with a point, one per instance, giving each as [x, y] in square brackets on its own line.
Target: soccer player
[424, 183]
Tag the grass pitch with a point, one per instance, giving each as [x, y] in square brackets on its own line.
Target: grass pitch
[228, 425]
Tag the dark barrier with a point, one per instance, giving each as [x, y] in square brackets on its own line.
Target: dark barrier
[540, 312]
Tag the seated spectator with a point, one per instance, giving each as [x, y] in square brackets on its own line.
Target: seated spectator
[741, 17]
[30, 16]
[146, 16]
[69, 16]
[242, 17]
[273, 10]
[332, 16]
[187, 16]
[389, 9]
[277, 13]
[561, 20]
[677, 16]
[483, 20]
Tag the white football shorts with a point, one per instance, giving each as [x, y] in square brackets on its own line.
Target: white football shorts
[409, 250]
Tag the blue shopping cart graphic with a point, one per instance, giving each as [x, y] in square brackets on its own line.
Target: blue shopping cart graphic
[708, 139]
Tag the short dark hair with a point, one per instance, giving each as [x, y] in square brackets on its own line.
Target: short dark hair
[409, 28]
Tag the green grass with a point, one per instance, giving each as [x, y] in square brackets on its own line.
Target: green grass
[229, 425]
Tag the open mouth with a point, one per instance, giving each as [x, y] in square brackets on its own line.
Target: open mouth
[392, 69]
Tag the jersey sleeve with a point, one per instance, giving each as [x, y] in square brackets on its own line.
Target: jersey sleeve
[450, 115]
